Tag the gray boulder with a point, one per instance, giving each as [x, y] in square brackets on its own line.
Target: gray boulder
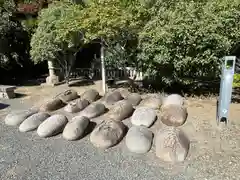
[173, 99]
[32, 122]
[68, 95]
[90, 95]
[52, 125]
[15, 118]
[75, 128]
[121, 110]
[76, 105]
[113, 97]
[93, 110]
[151, 102]
[52, 105]
[173, 115]
[107, 134]
[134, 99]
[143, 116]
[172, 145]
[139, 139]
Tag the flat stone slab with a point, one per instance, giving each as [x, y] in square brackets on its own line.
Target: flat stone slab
[93, 110]
[7, 92]
[120, 111]
[76, 105]
[52, 125]
[139, 139]
[32, 122]
[90, 95]
[144, 116]
[107, 134]
[15, 118]
[173, 115]
[75, 128]
[172, 145]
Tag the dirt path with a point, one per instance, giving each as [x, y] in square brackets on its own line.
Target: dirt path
[214, 152]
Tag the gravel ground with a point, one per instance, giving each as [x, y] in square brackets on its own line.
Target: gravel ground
[214, 152]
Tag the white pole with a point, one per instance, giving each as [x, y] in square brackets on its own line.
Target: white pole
[103, 70]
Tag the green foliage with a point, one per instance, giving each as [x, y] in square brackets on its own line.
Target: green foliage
[13, 39]
[186, 39]
[236, 80]
[64, 27]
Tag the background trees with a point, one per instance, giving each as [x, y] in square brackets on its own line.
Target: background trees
[172, 41]
[185, 40]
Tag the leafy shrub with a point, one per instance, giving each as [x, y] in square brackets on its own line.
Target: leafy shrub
[184, 40]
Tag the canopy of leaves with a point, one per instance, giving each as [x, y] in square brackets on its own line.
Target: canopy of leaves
[187, 39]
[13, 39]
[65, 25]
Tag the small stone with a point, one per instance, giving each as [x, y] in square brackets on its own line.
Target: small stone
[151, 102]
[32, 122]
[172, 145]
[173, 99]
[75, 128]
[143, 116]
[76, 105]
[113, 97]
[93, 110]
[107, 134]
[134, 99]
[90, 95]
[121, 110]
[52, 105]
[139, 139]
[68, 95]
[52, 125]
[173, 115]
[15, 118]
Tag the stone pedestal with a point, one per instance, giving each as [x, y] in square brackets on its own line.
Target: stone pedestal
[52, 79]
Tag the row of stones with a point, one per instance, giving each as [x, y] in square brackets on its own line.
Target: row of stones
[111, 130]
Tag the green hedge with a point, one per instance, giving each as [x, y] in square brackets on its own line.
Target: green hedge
[186, 39]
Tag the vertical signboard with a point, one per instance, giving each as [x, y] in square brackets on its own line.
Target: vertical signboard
[225, 95]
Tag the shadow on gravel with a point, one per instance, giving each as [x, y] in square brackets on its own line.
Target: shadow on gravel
[89, 129]
[3, 106]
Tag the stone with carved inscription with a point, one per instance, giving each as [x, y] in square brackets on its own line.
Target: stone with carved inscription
[172, 145]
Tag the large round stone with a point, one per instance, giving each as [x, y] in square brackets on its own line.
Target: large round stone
[15, 118]
[75, 128]
[173, 99]
[172, 145]
[93, 110]
[76, 105]
[68, 95]
[107, 134]
[143, 116]
[134, 99]
[32, 122]
[52, 125]
[121, 110]
[90, 95]
[173, 115]
[52, 105]
[113, 97]
[151, 102]
[139, 139]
